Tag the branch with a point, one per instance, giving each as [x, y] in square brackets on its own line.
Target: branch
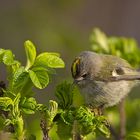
[75, 133]
[122, 120]
[45, 131]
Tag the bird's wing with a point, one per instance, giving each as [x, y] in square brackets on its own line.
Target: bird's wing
[124, 73]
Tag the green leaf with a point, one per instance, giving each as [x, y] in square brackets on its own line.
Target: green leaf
[102, 128]
[39, 78]
[27, 111]
[20, 78]
[5, 102]
[30, 53]
[85, 119]
[53, 53]
[49, 70]
[49, 60]
[11, 70]
[78, 99]
[16, 111]
[27, 87]
[99, 41]
[1, 54]
[18, 126]
[134, 135]
[53, 109]
[68, 116]
[53, 132]
[64, 93]
[51, 112]
[64, 131]
[28, 105]
[8, 57]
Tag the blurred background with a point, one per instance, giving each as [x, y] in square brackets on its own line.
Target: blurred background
[63, 26]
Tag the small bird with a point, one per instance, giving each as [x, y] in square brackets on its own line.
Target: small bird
[104, 80]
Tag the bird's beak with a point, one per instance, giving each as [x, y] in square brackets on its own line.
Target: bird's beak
[76, 80]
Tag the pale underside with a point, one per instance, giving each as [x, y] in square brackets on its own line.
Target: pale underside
[105, 94]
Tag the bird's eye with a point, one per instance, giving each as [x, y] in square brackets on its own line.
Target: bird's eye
[117, 71]
[120, 71]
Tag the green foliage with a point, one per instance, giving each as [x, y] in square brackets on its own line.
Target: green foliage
[39, 78]
[17, 99]
[87, 121]
[123, 47]
[51, 60]
[5, 102]
[134, 136]
[33, 71]
[90, 122]
[30, 53]
[64, 93]
[68, 116]
[15, 117]
[28, 105]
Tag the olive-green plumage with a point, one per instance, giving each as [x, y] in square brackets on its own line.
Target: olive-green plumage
[104, 80]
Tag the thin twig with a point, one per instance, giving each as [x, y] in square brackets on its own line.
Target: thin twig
[45, 131]
[75, 133]
[122, 120]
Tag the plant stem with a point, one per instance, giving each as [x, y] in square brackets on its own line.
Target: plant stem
[45, 131]
[122, 120]
[75, 133]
